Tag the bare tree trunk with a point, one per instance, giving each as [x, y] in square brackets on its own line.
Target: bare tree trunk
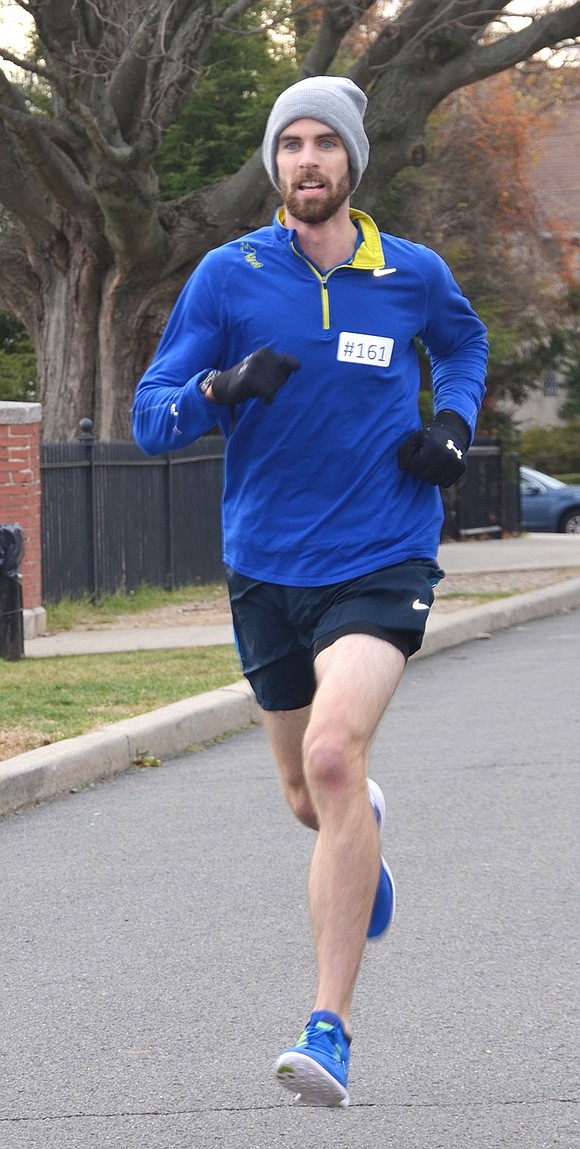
[96, 336]
[66, 346]
[130, 322]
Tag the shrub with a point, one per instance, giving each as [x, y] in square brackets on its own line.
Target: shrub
[555, 450]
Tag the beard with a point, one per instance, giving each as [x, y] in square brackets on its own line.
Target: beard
[320, 209]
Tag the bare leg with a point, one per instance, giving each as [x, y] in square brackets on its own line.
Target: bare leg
[286, 730]
[322, 754]
[357, 678]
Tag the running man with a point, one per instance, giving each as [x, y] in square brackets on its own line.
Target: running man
[299, 340]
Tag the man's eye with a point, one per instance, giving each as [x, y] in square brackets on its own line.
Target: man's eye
[291, 145]
[328, 144]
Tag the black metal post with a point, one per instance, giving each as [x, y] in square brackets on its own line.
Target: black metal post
[170, 525]
[88, 440]
[11, 617]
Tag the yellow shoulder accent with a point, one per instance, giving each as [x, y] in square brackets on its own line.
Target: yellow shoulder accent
[369, 253]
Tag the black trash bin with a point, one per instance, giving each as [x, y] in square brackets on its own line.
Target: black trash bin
[11, 619]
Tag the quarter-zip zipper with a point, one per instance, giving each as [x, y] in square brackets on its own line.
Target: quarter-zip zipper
[325, 304]
[368, 256]
[323, 281]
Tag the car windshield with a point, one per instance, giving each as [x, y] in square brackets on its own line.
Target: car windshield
[537, 477]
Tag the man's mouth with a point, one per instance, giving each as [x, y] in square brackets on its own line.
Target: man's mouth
[311, 186]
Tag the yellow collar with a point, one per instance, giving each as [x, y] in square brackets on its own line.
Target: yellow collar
[369, 253]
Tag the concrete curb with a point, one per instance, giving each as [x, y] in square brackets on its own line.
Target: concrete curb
[168, 732]
[76, 762]
[445, 631]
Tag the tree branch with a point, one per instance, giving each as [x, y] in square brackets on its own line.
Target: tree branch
[222, 210]
[54, 171]
[18, 285]
[105, 178]
[381, 52]
[234, 11]
[547, 31]
[26, 65]
[338, 18]
[31, 209]
[129, 80]
[186, 43]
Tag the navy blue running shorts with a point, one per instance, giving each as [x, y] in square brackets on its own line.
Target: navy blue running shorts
[280, 629]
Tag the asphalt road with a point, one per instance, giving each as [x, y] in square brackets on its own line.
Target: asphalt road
[154, 952]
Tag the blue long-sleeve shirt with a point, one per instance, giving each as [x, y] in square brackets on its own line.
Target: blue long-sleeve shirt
[313, 493]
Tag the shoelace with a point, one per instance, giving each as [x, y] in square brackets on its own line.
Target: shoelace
[320, 1038]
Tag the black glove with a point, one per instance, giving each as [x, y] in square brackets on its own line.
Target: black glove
[258, 376]
[437, 453]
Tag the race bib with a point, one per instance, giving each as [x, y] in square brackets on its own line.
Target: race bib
[369, 350]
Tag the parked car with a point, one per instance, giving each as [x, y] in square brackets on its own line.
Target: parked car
[548, 504]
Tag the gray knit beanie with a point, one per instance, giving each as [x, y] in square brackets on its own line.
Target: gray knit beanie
[334, 100]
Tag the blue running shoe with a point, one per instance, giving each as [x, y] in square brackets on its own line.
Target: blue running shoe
[315, 1070]
[383, 910]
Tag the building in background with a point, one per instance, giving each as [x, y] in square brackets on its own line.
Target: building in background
[556, 179]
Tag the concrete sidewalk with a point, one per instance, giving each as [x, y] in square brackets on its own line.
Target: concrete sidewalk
[535, 552]
[170, 731]
[73, 642]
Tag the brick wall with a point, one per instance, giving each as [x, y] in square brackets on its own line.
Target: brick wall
[20, 488]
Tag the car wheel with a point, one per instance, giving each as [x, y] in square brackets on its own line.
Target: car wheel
[570, 522]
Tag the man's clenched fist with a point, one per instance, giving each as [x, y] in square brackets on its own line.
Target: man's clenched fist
[436, 454]
[258, 376]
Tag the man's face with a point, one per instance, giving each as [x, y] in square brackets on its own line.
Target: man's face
[313, 170]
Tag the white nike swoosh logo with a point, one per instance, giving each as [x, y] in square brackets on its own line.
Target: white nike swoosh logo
[384, 271]
[418, 605]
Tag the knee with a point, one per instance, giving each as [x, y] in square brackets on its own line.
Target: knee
[328, 761]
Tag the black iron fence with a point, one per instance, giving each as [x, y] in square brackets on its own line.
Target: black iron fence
[114, 518]
[487, 500]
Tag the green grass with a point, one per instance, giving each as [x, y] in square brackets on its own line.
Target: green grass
[573, 478]
[476, 597]
[69, 613]
[46, 699]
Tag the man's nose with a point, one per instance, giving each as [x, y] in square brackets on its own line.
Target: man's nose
[309, 156]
